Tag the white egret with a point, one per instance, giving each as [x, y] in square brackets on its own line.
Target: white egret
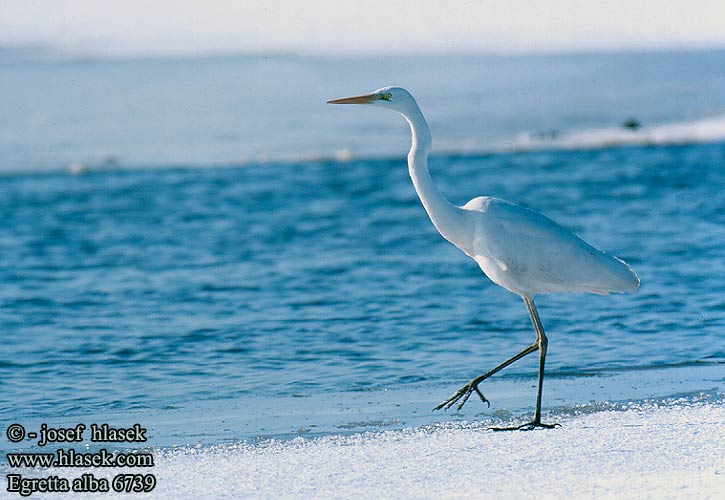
[517, 248]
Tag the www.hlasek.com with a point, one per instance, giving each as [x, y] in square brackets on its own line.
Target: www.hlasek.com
[60, 458]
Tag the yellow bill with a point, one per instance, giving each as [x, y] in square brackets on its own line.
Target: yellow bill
[360, 99]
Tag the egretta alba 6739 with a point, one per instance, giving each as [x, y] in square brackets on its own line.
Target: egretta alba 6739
[517, 248]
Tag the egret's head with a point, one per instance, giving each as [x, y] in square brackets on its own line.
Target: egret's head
[393, 98]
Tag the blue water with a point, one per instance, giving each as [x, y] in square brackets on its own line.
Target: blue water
[246, 109]
[132, 287]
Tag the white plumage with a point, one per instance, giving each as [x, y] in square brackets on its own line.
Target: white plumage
[519, 249]
[529, 254]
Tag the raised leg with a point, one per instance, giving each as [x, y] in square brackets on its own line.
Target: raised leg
[466, 391]
[541, 343]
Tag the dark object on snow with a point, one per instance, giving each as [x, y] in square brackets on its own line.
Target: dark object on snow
[631, 124]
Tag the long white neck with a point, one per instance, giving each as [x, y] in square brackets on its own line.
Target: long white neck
[447, 218]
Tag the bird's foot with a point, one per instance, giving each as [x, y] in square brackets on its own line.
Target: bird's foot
[530, 426]
[463, 394]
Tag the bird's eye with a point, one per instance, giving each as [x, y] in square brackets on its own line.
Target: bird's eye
[387, 96]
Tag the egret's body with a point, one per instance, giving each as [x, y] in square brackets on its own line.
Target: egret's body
[517, 248]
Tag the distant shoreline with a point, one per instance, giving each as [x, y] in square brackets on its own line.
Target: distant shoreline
[46, 53]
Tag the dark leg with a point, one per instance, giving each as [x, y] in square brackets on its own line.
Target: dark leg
[466, 391]
[542, 343]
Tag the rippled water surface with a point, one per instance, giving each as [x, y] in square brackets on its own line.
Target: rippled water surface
[298, 278]
[154, 288]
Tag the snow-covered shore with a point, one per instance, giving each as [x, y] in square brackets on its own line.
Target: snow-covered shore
[652, 451]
